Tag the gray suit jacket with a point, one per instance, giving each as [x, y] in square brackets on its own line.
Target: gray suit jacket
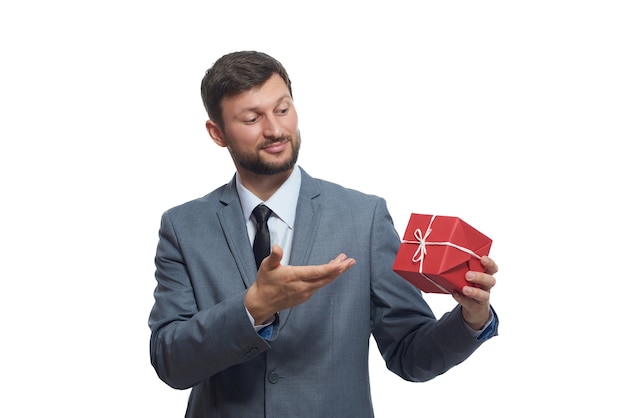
[316, 361]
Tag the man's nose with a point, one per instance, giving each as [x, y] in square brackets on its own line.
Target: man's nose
[272, 128]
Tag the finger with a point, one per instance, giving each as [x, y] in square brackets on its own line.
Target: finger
[338, 259]
[341, 263]
[476, 294]
[462, 300]
[328, 271]
[482, 280]
[489, 265]
[273, 260]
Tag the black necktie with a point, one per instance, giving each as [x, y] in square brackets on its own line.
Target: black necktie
[261, 246]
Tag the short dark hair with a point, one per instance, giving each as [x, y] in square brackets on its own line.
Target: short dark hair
[235, 73]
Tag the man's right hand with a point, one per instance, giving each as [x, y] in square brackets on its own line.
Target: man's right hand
[279, 287]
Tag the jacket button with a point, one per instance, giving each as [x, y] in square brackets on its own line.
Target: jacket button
[252, 352]
[273, 377]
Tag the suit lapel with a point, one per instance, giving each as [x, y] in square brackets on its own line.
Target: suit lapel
[236, 234]
[308, 215]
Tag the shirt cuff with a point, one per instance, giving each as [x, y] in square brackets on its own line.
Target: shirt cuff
[264, 330]
[488, 330]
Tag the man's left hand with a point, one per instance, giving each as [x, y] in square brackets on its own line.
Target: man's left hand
[475, 299]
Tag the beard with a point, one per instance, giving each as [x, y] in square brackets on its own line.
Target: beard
[255, 164]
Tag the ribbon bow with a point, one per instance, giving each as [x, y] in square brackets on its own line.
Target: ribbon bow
[421, 241]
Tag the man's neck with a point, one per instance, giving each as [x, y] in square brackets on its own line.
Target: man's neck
[263, 185]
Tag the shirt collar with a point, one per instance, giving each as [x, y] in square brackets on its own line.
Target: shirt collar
[283, 202]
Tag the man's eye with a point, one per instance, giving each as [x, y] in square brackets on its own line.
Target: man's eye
[251, 120]
[283, 111]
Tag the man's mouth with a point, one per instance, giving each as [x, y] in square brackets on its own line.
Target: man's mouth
[276, 147]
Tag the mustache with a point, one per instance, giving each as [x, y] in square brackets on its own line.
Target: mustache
[271, 141]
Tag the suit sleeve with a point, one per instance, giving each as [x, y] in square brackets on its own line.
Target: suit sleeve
[188, 345]
[415, 345]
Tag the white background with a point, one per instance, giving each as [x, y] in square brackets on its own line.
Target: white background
[510, 115]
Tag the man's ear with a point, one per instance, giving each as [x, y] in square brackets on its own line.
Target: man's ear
[216, 133]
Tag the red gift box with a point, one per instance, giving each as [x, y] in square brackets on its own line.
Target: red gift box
[437, 251]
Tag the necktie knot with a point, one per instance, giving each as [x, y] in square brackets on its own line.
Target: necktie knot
[261, 213]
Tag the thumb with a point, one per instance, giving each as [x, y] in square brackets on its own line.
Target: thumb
[273, 260]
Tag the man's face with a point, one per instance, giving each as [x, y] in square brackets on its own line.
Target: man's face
[260, 128]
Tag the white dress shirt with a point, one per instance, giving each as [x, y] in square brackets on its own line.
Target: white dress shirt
[280, 223]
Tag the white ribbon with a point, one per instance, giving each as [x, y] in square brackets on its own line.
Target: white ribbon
[420, 252]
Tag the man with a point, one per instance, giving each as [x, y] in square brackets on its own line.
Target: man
[290, 339]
